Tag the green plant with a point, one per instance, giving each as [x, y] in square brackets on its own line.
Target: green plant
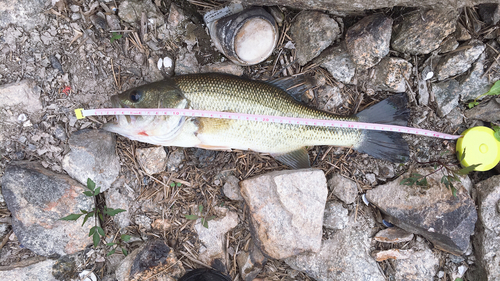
[174, 184]
[96, 231]
[496, 129]
[494, 91]
[450, 174]
[204, 219]
[123, 238]
[115, 36]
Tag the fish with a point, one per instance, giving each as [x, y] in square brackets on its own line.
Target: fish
[287, 143]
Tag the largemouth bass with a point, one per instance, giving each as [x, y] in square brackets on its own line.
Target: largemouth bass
[285, 142]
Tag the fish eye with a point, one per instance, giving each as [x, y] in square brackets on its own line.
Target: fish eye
[135, 96]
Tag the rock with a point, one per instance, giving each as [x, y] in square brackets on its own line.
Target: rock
[120, 196]
[447, 95]
[38, 199]
[330, 98]
[153, 258]
[20, 97]
[131, 11]
[286, 211]
[490, 13]
[393, 235]
[175, 16]
[395, 254]
[186, 63]
[392, 74]
[487, 240]
[421, 32]
[213, 237]
[232, 189]
[251, 263]
[312, 32]
[175, 159]
[422, 264]
[92, 156]
[475, 83]
[345, 189]
[153, 160]
[445, 220]
[223, 67]
[459, 61]
[344, 256]
[338, 62]
[350, 6]
[41, 271]
[367, 41]
[336, 216]
[65, 267]
[489, 112]
[461, 33]
[449, 44]
[25, 13]
[143, 221]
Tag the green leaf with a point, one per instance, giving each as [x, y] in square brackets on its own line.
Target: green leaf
[495, 89]
[459, 279]
[111, 212]
[467, 170]
[111, 252]
[97, 191]
[200, 208]
[125, 237]
[88, 193]
[422, 182]
[92, 231]
[408, 181]
[454, 192]
[172, 184]
[83, 211]
[191, 217]
[124, 251]
[111, 244]
[96, 238]
[204, 222]
[210, 218]
[179, 184]
[87, 216]
[100, 216]
[90, 184]
[100, 230]
[115, 36]
[497, 132]
[472, 104]
[72, 217]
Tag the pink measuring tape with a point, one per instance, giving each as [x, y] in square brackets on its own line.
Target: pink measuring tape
[82, 113]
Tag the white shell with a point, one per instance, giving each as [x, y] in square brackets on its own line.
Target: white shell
[90, 277]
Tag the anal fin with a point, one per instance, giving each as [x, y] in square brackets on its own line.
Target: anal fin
[297, 159]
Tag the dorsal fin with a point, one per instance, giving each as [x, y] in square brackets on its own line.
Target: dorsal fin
[295, 86]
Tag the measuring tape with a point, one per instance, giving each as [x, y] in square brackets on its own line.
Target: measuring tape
[82, 113]
[479, 142]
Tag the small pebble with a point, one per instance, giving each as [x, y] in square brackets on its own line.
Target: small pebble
[22, 117]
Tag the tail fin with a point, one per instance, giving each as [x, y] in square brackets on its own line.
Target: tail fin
[386, 145]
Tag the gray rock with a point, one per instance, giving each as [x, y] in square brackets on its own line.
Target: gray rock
[41, 271]
[368, 40]
[92, 156]
[120, 196]
[213, 238]
[37, 199]
[447, 96]
[461, 33]
[392, 74]
[60, 133]
[490, 13]
[345, 189]
[342, 257]
[393, 235]
[474, 83]
[350, 6]
[434, 213]
[422, 264]
[286, 211]
[449, 44]
[312, 32]
[251, 263]
[153, 258]
[338, 62]
[421, 32]
[25, 13]
[186, 63]
[20, 97]
[143, 222]
[487, 240]
[131, 11]
[329, 98]
[153, 159]
[489, 112]
[459, 61]
[395, 254]
[223, 67]
[232, 189]
[175, 159]
[336, 216]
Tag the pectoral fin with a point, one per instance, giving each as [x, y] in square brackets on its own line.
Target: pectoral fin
[297, 159]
